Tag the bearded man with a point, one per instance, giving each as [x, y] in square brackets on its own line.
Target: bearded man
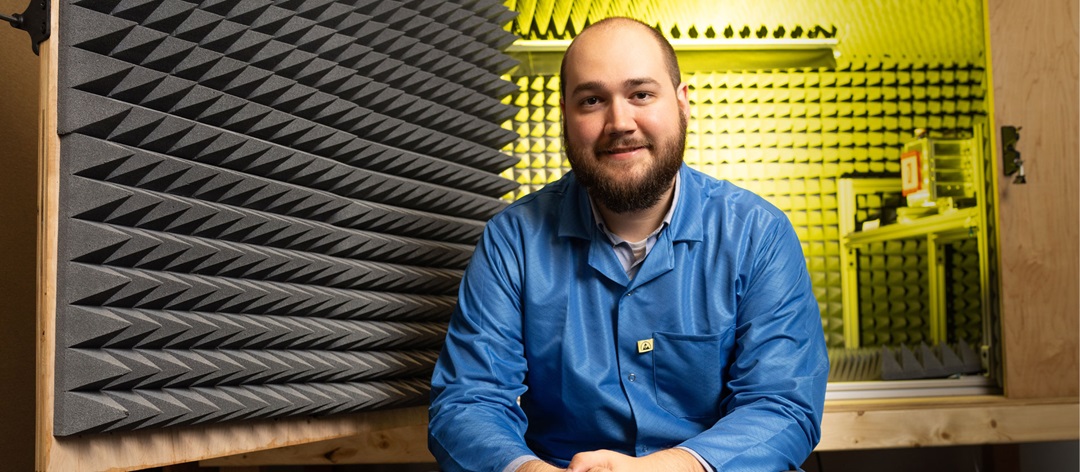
[636, 315]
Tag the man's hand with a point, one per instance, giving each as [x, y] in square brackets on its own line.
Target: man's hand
[671, 460]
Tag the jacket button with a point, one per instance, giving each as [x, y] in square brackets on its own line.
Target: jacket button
[631, 377]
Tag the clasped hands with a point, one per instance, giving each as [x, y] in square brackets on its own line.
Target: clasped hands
[671, 460]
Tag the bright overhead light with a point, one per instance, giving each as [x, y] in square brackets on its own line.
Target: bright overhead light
[543, 57]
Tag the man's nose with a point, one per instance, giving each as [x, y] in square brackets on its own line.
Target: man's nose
[620, 118]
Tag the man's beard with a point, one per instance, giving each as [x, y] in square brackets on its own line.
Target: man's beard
[621, 196]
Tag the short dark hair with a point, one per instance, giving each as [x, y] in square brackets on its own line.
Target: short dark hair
[672, 62]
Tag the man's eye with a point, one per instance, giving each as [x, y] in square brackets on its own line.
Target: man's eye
[590, 101]
[641, 95]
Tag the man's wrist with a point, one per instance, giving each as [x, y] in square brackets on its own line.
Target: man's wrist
[537, 466]
[675, 459]
[701, 460]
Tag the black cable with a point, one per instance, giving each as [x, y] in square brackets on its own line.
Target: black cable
[16, 21]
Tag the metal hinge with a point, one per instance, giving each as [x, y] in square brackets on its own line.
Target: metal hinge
[35, 20]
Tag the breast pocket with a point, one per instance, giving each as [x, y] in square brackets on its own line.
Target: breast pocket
[687, 373]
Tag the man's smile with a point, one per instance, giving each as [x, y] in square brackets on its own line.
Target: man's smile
[623, 150]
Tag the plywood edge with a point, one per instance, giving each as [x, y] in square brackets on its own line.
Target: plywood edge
[1032, 53]
[967, 401]
[402, 440]
[949, 422]
[161, 447]
[48, 196]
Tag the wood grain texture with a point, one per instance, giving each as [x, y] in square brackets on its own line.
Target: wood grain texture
[947, 422]
[381, 444]
[846, 425]
[47, 207]
[154, 448]
[1034, 57]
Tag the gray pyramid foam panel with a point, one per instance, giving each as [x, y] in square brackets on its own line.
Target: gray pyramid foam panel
[266, 206]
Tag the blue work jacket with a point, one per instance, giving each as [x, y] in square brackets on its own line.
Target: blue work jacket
[715, 345]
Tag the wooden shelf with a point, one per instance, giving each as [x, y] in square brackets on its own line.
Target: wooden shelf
[846, 425]
[966, 218]
[949, 421]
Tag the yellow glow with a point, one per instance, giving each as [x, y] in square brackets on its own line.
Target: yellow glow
[789, 134]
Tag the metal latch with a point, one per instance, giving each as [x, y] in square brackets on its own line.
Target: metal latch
[35, 20]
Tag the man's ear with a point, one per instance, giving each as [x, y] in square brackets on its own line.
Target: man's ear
[682, 95]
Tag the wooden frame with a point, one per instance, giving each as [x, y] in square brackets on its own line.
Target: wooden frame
[48, 209]
[1033, 64]
[876, 424]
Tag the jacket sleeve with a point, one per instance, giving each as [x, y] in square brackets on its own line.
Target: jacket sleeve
[476, 424]
[775, 386]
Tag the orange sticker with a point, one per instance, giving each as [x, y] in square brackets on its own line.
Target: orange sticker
[910, 172]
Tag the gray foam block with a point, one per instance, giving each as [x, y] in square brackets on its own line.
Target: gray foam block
[234, 38]
[195, 63]
[268, 21]
[143, 127]
[168, 16]
[134, 10]
[271, 55]
[927, 362]
[329, 13]
[138, 412]
[196, 26]
[90, 370]
[134, 288]
[100, 35]
[127, 328]
[85, 412]
[253, 225]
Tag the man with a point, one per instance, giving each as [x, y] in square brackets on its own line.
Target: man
[649, 317]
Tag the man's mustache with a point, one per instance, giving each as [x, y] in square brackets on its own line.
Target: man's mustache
[607, 147]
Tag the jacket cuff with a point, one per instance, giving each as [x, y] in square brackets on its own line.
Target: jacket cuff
[705, 465]
[520, 461]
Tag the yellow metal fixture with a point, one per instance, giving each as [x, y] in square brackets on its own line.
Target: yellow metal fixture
[542, 57]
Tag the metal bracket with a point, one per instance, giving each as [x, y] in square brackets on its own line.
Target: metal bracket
[1009, 155]
[35, 20]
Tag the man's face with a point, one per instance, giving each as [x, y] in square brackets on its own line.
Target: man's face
[624, 122]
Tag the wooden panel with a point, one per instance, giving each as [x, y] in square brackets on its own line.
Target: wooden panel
[946, 422]
[1034, 56]
[387, 443]
[153, 448]
[18, 152]
[48, 194]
